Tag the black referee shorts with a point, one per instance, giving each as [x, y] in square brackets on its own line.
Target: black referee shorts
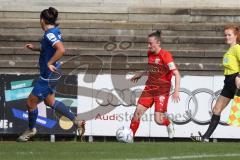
[229, 88]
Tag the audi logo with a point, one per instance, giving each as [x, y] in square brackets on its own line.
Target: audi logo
[128, 98]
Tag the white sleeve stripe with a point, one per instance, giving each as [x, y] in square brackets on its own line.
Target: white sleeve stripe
[55, 42]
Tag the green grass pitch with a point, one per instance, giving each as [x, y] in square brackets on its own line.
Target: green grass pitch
[119, 151]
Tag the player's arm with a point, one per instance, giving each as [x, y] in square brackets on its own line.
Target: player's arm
[60, 50]
[33, 47]
[138, 75]
[172, 67]
[177, 76]
[237, 79]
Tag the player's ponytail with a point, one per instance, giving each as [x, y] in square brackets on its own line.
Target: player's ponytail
[50, 16]
[236, 31]
[157, 34]
[52, 11]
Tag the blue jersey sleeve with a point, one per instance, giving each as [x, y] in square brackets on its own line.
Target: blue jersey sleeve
[53, 38]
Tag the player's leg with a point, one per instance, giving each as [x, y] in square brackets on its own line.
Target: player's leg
[162, 119]
[32, 102]
[223, 100]
[160, 115]
[145, 101]
[221, 103]
[140, 110]
[61, 108]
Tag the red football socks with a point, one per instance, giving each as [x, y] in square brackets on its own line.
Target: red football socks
[165, 121]
[134, 126]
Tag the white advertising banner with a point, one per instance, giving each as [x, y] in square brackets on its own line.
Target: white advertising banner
[108, 102]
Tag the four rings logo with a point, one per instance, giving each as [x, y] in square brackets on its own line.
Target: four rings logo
[128, 98]
[123, 45]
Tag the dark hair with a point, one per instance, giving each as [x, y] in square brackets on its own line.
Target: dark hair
[236, 31]
[157, 34]
[50, 16]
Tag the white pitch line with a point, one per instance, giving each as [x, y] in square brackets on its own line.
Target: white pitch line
[189, 157]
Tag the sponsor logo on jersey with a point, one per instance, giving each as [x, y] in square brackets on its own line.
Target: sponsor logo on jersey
[51, 37]
[157, 60]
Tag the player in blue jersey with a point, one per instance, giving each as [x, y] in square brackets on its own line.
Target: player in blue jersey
[51, 50]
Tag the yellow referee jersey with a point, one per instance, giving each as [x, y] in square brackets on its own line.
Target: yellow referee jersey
[231, 60]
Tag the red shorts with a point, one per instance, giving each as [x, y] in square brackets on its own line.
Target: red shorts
[151, 95]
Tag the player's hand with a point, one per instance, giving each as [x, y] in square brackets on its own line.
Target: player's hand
[30, 46]
[176, 97]
[52, 68]
[135, 78]
[237, 82]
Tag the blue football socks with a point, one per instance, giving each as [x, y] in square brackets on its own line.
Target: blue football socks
[62, 109]
[32, 118]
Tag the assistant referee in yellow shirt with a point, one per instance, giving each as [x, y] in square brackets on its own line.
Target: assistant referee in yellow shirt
[231, 63]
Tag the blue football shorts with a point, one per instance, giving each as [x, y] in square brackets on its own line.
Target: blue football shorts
[43, 88]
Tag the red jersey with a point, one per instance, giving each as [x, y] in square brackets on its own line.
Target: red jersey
[160, 67]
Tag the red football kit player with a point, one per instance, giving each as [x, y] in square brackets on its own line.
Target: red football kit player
[160, 70]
